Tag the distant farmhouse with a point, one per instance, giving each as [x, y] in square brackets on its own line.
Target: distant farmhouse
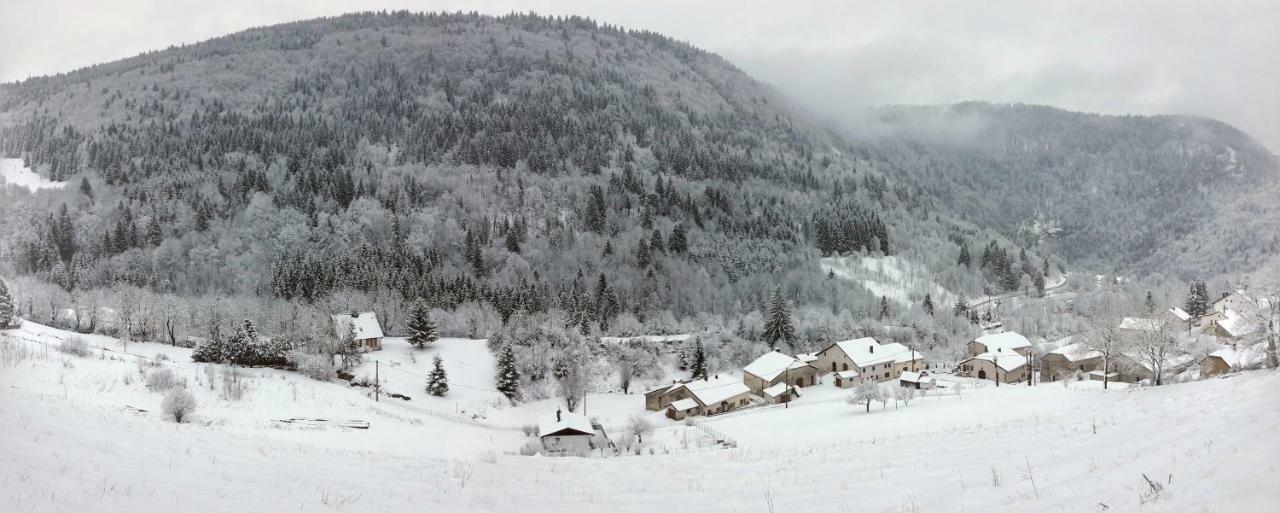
[1002, 357]
[708, 396]
[368, 333]
[870, 360]
[566, 433]
[774, 368]
[1069, 359]
[1238, 317]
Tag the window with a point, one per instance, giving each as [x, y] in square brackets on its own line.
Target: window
[833, 366]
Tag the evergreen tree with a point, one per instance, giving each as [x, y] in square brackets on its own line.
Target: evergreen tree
[643, 257]
[422, 329]
[6, 306]
[1150, 304]
[608, 248]
[1197, 303]
[779, 328]
[437, 380]
[677, 243]
[595, 214]
[884, 308]
[698, 368]
[928, 304]
[964, 259]
[1038, 280]
[85, 188]
[508, 378]
[961, 308]
[512, 240]
[656, 243]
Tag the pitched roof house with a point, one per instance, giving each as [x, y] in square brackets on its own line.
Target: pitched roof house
[708, 396]
[566, 432]
[999, 365]
[871, 359]
[1009, 341]
[368, 333]
[1069, 359]
[773, 368]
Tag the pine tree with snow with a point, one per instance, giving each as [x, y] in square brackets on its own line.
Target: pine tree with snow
[928, 304]
[1197, 299]
[698, 368]
[1038, 280]
[779, 327]
[6, 306]
[1150, 304]
[437, 381]
[422, 329]
[678, 243]
[961, 308]
[884, 309]
[964, 259]
[508, 379]
[608, 248]
[643, 257]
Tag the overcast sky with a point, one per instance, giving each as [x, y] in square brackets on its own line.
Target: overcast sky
[1217, 59]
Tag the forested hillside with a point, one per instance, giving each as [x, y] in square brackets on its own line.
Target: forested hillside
[1115, 193]
[611, 181]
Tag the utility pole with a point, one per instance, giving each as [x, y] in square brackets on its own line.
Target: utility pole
[377, 383]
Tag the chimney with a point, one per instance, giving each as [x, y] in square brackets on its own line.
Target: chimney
[871, 348]
[557, 414]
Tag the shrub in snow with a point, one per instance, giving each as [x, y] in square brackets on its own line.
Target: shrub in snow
[74, 346]
[233, 385]
[314, 366]
[163, 379]
[178, 405]
[244, 347]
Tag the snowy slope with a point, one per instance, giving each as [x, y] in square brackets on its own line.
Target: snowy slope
[888, 276]
[14, 173]
[68, 444]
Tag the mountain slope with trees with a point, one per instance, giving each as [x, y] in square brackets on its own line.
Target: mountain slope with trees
[1114, 193]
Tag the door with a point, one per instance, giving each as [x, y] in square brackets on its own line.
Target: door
[982, 374]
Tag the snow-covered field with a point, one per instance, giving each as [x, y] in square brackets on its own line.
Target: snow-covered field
[72, 439]
[14, 173]
[888, 276]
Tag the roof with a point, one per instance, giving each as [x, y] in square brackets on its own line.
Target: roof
[570, 423]
[849, 374]
[776, 390]
[714, 389]
[366, 324]
[915, 377]
[866, 351]
[1111, 374]
[1180, 313]
[1006, 361]
[1076, 352]
[685, 404]
[773, 363]
[1242, 357]
[1140, 324]
[1009, 340]
[1236, 325]
[807, 357]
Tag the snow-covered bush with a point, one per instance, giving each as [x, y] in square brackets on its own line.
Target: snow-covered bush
[163, 379]
[74, 346]
[314, 366]
[178, 405]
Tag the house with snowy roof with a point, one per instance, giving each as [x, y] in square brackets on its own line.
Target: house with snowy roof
[775, 367]
[566, 432]
[1231, 358]
[919, 380]
[1068, 360]
[1234, 327]
[1178, 317]
[1000, 365]
[366, 330]
[869, 359]
[708, 396]
[1005, 342]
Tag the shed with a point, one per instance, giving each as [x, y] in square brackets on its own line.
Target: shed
[566, 433]
[364, 325]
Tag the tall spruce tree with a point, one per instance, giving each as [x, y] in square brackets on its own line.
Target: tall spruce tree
[678, 243]
[779, 328]
[698, 369]
[422, 329]
[437, 380]
[1150, 304]
[964, 259]
[928, 304]
[884, 309]
[508, 378]
[6, 306]
[1197, 303]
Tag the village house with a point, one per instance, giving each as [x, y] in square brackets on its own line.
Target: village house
[773, 368]
[1069, 359]
[1230, 358]
[368, 333]
[708, 396]
[778, 394]
[1178, 317]
[1234, 328]
[1134, 328]
[999, 365]
[847, 379]
[566, 433]
[1004, 343]
[870, 359]
[918, 380]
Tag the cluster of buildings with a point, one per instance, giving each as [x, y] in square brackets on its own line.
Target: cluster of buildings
[777, 377]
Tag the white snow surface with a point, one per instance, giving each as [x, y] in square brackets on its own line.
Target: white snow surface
[16, 174]
[1004, 341]
[70, 442]
[888, 276]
